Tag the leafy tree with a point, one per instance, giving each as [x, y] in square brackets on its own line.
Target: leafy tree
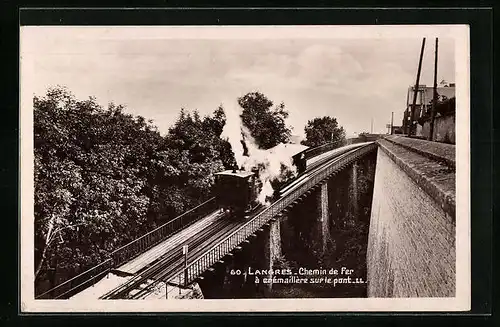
[103, 177]
[215, 124]
[196, 151]
[92, 167]
[266, 124]
[323, 130]
[444, 105]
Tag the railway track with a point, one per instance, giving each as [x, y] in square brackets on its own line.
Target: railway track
[163, 272]
[171, 262]
[315, 168]
[135, 265]
[167, 260]
[320, 162]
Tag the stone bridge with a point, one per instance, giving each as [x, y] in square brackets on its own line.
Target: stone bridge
[389, 217]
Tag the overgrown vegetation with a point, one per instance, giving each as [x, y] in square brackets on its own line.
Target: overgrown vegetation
[322, 130]
[104, 177]
[266, 124]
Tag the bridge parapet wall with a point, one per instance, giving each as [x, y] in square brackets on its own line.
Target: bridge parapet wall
[411, 249]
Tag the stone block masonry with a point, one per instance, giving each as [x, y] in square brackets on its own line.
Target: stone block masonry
[411, 246]
[274, 242]
[323, 216]
[444, 129]
[355, 193]
[273, 246]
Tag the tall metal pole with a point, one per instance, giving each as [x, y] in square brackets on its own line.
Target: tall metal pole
[434, 94]
[406, 113]
[412, 115]
[371, 127]
[392, 123]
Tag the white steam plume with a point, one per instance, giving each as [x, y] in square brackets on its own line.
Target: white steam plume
[269, 161]
[232, 130]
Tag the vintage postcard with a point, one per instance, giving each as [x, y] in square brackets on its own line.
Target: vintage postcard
[244, 168]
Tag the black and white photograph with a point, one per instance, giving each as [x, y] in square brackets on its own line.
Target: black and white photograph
[244, 168]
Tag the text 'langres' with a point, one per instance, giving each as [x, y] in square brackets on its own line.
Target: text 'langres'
[301, 271]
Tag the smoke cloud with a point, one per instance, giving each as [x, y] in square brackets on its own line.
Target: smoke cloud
[273, 164]
[232, 130]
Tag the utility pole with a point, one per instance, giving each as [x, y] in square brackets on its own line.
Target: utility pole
[371, 127]
[392, 123]
[406, 113]
[412, 114]
[434, 94]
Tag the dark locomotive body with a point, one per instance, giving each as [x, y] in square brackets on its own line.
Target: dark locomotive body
[237, 191]
[299, 160]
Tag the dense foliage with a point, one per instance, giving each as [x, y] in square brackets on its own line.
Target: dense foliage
[444, 106]
[323, 130]
[266, 124]
[104, 177]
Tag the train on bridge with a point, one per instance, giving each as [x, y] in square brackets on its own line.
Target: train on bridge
[237, 191]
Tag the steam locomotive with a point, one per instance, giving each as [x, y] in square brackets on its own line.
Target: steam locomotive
[237, 191]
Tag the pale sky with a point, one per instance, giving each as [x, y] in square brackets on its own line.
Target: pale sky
[156, 71]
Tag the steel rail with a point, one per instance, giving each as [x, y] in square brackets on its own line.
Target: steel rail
[173, 260]
[164, 272]
[167, 259]
[314, 167]
[312, 152]
[159, 234]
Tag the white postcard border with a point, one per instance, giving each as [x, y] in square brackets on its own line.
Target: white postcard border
[461, 302]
